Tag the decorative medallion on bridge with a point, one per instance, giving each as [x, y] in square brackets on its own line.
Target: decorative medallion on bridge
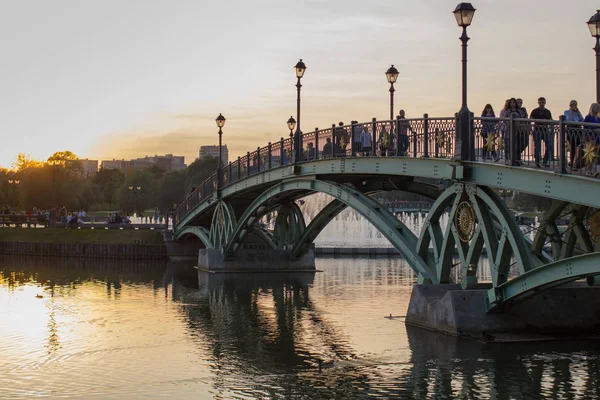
[441, 140]
[589, 153]
[464, 220]
[491, 142]
[593, 224]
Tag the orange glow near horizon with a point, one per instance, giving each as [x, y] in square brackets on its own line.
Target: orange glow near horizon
[121, 88]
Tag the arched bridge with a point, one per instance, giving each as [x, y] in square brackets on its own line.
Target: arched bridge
[457, 169]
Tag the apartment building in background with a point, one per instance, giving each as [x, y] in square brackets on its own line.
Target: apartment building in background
[90, 167]
[213, 151]
[167, 162]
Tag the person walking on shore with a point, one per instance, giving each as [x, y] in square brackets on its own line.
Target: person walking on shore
[541, 132]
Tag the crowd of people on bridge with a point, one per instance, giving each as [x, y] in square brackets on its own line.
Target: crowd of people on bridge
[543, 137]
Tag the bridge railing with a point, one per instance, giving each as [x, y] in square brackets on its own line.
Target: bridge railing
[416, 137]
[569, 147]
[565, 146]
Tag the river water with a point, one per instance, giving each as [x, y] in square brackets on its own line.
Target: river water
[121, 330]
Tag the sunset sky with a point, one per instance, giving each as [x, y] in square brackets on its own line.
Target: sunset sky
[122, 79]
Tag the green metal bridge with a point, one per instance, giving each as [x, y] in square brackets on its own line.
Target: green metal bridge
[428, 157]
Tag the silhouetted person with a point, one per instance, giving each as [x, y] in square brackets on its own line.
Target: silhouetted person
[328, 148]
[542, 132]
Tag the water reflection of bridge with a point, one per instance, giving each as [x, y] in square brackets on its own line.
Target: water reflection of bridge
[266, 335]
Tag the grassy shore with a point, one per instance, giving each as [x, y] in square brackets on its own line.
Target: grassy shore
[62, 235]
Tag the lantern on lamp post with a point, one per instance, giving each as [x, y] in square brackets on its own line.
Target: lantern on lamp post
[392, 75]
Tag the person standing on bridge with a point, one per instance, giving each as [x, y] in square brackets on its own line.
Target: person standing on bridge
[327, 148]
[523, 109]
[366, 141]
[521, 138]
[403, 140]
[504, 130]
[573, 115]
[488, 132]
[592, 136]
[356, 134]
[542, 132]
[341, 140]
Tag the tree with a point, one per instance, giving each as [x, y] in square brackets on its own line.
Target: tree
[25, 161]
[145, 198]
[105, 183]
[67, 160]
[171, 190]
[200, 170]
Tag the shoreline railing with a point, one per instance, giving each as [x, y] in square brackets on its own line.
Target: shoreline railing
[568, 147]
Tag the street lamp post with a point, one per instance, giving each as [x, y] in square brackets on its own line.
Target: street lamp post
[135, 189]
[54, 164]
[464, 13]
[220, 120]
[594, 25]
[14, 184]
[392, 75]
[300, 67]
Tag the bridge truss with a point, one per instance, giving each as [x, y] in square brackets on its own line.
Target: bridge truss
[269, 182]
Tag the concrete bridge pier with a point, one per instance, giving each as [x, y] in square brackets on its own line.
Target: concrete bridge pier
[255, 258]
[569, 311]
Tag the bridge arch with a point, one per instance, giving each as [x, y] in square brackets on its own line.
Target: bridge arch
[393, 229]
[336, 206]
[196, 231]
[477, 216]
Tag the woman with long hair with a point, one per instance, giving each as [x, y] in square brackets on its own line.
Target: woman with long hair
[488, 128]
[591, 141]
[521, 138]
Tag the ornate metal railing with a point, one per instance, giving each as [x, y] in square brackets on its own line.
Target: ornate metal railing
[569, 147]
[564, 146]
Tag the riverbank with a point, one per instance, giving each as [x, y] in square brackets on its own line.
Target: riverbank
[97, 243]
[81, 236]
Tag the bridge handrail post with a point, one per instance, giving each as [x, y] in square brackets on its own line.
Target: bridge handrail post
[352, 135]
[229, 173]
[247, 164]
[512, 137]
[258, 160]
[281, 152]
[471, 137]
[333, 143]
[414, 142]
[374, 138]
[437, 149]
[398, 139]
[562, 144]
[269, 156]
[239, 168]
[425, 135]
[316, 143]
